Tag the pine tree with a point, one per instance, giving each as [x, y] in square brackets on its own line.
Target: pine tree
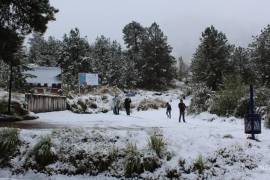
[158, 68]
[44, 52]
[73, 59]
[260, 54]
[242, 66]
[210, 63]
[182, 69]
[109, 61]
[134, 36]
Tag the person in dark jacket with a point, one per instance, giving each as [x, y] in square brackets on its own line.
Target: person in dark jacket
[182, 108]
[127, 105]
[169, 110]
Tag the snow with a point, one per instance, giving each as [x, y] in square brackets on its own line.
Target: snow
[203, 134]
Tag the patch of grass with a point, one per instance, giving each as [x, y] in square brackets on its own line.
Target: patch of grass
[199, 164]
[9, 142]
[114, 153]
[43, 153]
[157, 144]
[132, 163]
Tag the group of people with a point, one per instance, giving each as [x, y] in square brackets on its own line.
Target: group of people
[182, 108]
[117, 105]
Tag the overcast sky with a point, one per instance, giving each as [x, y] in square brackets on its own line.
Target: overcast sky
[181, 20]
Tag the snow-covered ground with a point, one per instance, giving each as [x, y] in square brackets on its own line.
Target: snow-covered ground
[203, 134]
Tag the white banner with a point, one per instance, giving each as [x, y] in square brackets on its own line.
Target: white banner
[91, 79]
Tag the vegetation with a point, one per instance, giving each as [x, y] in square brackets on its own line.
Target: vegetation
[157, 144]
[201, 100]
[199, 164]
[227, 100]
[9, 143]
[43, 153]
[133, 165]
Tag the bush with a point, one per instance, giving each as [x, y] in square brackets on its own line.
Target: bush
[157, 144]
[43, 152]
[151, 104]
[9, 142]
[199, 164]
[227, 100]
[151, 163]
[173, 174]
[132, 162]
[16, 108]
[201, 99]
[242, 107]
[82, 105]
[262, 97]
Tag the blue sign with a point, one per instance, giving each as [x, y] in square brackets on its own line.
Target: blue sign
[82, 78]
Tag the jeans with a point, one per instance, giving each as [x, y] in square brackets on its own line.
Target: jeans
[182, 114]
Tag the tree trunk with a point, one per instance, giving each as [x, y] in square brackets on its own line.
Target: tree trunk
[10, 87]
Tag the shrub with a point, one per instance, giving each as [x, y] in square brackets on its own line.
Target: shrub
[227, 100]
[9, 142]
[132, 163]
[157, 144]
[242, 107]
[201, 99]
[43, 153]
[199, 164]
[151, 104]
[82, 105]
[151, 163]
[262, 97]
[114, 153]
[172, 174]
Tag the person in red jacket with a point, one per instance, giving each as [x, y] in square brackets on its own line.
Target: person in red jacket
[182, 108]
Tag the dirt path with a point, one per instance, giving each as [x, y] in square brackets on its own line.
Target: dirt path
[31, 125]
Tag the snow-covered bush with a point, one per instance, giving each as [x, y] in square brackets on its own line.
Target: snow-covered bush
[172, 174]
[16, 108]
[157, 143]
[151, 163]
[9, 143]
[43, 152]
[133, 164]
[147, 104]
[201, 99]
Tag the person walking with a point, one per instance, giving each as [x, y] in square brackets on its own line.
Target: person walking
[117, 103]
[127, 105]
[114, 105]
[169, 110]
[182, 108]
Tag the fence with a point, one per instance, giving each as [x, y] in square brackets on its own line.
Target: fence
[45, 103]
